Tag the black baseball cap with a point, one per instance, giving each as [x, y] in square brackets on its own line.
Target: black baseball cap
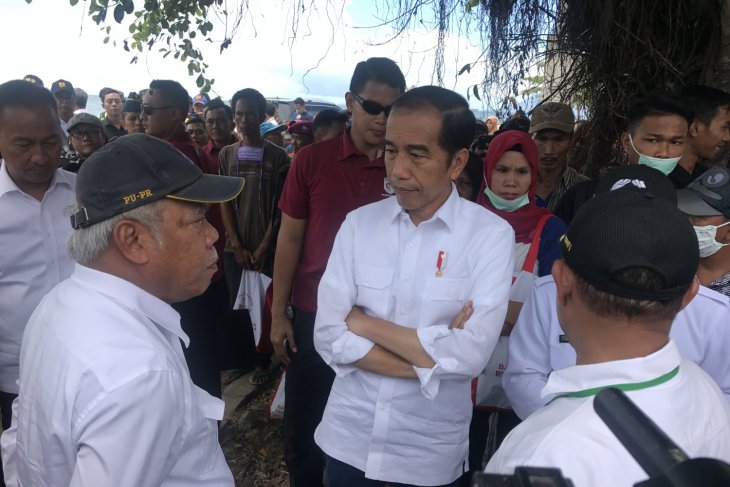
[31, 78]
[62, 85]
[638, 177]
[137, 169]
[620, 230]
[708, 195]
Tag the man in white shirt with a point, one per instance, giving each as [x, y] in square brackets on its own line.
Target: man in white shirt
[629, 266]
[538, 344]
[33, 195]
[105, 394]
[410, 307]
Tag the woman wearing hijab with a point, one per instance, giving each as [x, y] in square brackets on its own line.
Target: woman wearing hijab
[508, 190]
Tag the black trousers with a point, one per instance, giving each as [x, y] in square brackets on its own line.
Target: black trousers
[201, 319]
[6, 411]
[308, 384]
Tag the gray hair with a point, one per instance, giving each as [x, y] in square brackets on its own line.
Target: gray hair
[86, 244]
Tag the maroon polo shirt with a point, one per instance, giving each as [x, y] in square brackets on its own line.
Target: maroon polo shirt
[326, 181]
[212, 151]
[195, 153]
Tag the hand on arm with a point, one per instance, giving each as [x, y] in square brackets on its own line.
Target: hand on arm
[243, 257]
[289, 247]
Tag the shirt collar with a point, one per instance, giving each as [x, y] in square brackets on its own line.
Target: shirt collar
[132, 297]
[642, 369]
[7, 185]
[348, 149]
[447, 213]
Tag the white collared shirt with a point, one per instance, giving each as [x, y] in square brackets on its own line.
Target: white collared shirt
[33, 258]
[568, 434]
[106, 396]
[412, 431]
[701, 332]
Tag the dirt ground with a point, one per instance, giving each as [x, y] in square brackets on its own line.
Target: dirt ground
[253, 444]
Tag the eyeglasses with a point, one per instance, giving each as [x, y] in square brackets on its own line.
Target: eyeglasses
[149, 110]
[80, 134]
[372, 107]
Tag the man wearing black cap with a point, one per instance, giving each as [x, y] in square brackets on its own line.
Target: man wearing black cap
[707, 204]
[87, 135]
[539, 346]
[629, 266]
[31, 78]
[111, 102]
[105, 394]
[63, 92]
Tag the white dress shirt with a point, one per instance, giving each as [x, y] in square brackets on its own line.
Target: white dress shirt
[106, 396]
[33, 259]
[568, 434]
[412, 431]
[701, 332]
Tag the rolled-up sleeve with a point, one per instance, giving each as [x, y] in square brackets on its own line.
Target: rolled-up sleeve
[461, 354]
[338, 346]
[528, 365]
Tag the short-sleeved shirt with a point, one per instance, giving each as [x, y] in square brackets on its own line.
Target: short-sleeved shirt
[255, 204]
[721, 285]
[326, 181]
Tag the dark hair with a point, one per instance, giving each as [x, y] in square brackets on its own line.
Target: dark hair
[516, 148]
[380, 70]
[520, 123]
[253, 96]
[656, 104]
[216, 104]
[194, 119]
[81, 97]
[611, 305]
[271, 108]
[19, 93]
[474, 170]
[457, 120]
[705, 101]
[106, 91]
[326, 118]
[298, 101]
[173, 93]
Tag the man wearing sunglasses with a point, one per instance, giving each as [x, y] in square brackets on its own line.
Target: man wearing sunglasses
[87, 135]
[164, 111]
[326, 181]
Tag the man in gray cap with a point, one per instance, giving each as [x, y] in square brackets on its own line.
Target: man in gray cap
[105, 394]
[87, 135]
[551, 127]
[706, 202]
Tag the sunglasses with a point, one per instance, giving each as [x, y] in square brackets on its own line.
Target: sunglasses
[372, 107]
[80, 134]
[149, 110]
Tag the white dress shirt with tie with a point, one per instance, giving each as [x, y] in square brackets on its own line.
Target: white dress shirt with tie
[412, 431]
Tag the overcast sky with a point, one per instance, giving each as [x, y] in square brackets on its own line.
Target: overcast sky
[53, 40]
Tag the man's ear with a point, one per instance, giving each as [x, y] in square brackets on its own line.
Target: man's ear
[458, 162]
[626, 143]
[133, 240]
[696, 128]
[691, 292]
[349, 101]
[564, 281]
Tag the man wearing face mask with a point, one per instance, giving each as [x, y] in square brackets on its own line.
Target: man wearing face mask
[707, 204]
[656, 136]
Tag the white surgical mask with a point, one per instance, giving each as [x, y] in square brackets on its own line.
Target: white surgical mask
[706, 237]
[506, 205]
[665, 166]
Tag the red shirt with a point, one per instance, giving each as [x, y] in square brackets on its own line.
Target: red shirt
[212, 151]
[326, 181]
[192, 151]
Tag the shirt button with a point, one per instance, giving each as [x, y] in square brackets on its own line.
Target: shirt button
[382, 407]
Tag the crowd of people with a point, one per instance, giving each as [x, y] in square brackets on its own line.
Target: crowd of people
[447, 295]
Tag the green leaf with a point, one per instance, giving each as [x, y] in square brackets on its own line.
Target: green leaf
[476, 92]
[200, 81]
[72, 2]
[128, 6]
[465, 68]
[119, 13]
[106, 40]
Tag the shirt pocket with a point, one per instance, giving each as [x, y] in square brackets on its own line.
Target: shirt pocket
[374, 289]
[203, 440]
[443, 299]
